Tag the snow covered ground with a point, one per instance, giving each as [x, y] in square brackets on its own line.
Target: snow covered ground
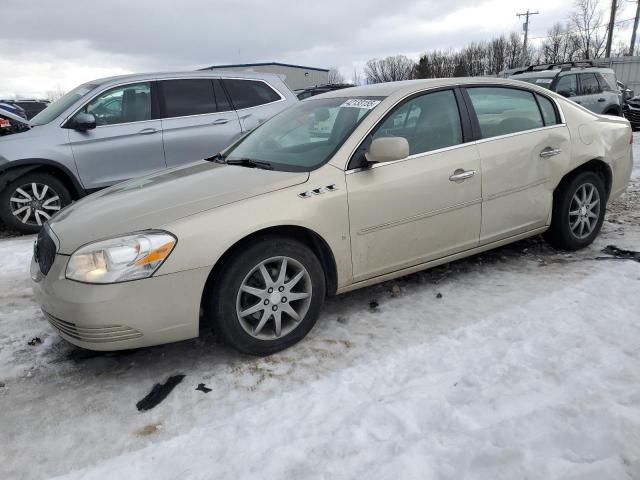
[519, 363]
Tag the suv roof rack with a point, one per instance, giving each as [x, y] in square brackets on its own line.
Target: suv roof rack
[552, 66]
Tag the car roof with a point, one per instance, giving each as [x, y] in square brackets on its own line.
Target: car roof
[183, 74]
[407, 87]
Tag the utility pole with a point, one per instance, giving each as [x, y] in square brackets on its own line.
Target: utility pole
[612, 21]
[525, 27]
[635, 27]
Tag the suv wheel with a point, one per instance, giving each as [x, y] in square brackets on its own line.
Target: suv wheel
[578, 212]
[30, 200]
[268, 296]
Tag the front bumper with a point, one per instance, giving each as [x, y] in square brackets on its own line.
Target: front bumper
[140, 313]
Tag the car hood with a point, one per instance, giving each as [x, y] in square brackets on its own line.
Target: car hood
[157, 199]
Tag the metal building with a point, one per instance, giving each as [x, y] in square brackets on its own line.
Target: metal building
[627, 70]
[295, 76]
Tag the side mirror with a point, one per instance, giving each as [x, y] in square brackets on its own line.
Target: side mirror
[83, 122]
[565, 93]
[387, 149]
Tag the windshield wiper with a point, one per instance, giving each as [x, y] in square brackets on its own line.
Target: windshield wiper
[250, 163]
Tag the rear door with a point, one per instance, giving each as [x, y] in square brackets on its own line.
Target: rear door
[127, 141]
[591, 93]
[255, 100]
[521, 141]
[198, 120]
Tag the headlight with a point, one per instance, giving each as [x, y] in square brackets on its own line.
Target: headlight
[120, 259]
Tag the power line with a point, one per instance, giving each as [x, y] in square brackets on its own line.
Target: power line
[604, 25]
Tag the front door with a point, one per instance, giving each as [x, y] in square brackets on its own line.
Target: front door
[127, 141]
[426, 206]
[521, 141]
[198, 120]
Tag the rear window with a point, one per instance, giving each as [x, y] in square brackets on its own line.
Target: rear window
[188, 97]
[250, 93]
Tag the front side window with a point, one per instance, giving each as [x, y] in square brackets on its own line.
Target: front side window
[304, 136]
[428, 122]
[502, 111]
[567, 86]
[188, 97]
[123, 104]
[608, 81]
[589, 84]
[250, 93]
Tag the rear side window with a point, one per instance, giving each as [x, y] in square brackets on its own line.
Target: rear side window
[249, 93]
[221, 97]
[188, 97]
[589, 84]
[428, 122]
[549, 114]
[501, 111]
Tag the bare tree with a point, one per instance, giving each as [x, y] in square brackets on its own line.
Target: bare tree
[55, 93]
[561, 45]
[335, 77]
[586, 19]
[390, 69]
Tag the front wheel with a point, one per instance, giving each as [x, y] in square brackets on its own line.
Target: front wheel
[30, 200]
[268, 296]
[578, 212]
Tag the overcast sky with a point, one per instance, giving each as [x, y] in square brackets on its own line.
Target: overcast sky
[50, 45]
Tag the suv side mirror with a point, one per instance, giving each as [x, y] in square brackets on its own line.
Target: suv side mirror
[387, 149]
[83, 122]
[565, 93]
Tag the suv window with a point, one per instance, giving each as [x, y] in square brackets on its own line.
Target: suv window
[549, 114]
[428, 122]
[127, 103]
[567, 85]
[188, 97]
[501, 110]
[249, 93]
[607, 81]
[589, 84]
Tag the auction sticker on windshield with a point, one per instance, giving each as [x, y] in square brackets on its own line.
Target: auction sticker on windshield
[360, 103]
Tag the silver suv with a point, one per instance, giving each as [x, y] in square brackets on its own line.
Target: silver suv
[592, 87]
[110, 130]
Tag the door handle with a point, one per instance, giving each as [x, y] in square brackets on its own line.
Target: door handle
[147, 131]
[220, 121]
[460, 175]
[601, 99]
[550, 152]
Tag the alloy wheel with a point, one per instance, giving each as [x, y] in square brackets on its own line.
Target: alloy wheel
[584, 210]
[274, 298]
[34, 203]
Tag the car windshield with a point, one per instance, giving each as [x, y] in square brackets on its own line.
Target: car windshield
[541, 81]
[305, 136]
[56, 108]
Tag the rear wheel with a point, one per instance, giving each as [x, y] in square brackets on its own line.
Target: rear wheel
[30, 200]
[268, 296]
[578, 212]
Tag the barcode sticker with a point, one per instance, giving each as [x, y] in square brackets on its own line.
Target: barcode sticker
[360, 103]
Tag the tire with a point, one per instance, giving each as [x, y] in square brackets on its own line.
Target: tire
[19, 193]
[568, 212]
[256, 332]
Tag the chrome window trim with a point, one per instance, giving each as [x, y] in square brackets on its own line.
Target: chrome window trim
[452, 147]
[212, 77]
